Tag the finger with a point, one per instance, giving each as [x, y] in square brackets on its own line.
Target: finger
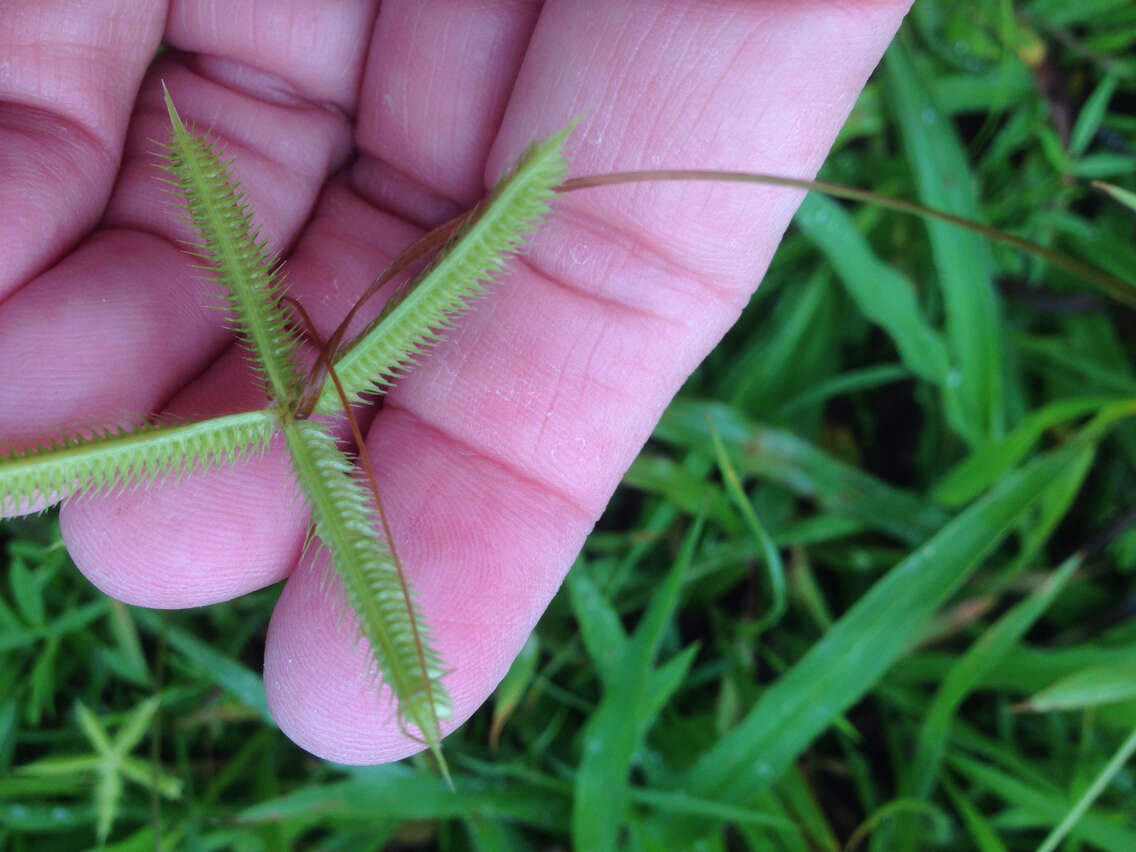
[128, 300]
[291, 131]
[114, 329]
[146, 338]
[286, 51]
[549, 389]
[436, 85]
[68, 76]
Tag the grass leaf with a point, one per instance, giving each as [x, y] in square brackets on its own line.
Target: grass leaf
[633, 695]
[398, 792]
[865, 642]
[881, 293]
[963, 260]
[1095, 685]
[986, 652]
[784, 458]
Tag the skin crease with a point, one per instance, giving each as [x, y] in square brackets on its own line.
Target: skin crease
[353, 129]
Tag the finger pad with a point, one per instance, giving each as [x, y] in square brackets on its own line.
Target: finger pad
[200, 540]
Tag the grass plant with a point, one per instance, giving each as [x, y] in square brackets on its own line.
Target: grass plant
[842, 597]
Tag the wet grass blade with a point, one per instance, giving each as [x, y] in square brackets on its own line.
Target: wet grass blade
[963, 260]
[780, 456]
[633, 693]
[984, 654]
[1042, 806]
[881, 293]
[840, 668]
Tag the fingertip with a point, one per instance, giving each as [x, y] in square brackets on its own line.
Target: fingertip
[206, 538]
[317, 677]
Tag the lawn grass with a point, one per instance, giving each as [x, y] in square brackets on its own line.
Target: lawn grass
[871, 582]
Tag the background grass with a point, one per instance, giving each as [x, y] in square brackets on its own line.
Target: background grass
[870, 584]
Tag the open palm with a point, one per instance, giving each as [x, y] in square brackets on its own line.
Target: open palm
[354, 129]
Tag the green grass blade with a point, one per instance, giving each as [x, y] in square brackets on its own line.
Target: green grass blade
[1090, 687]
[810, 818]
[476, 259]
[980, 658]
[771, 556]
[1056, 358]
[600, 629]
[1044, 805]
[963, 260]
[93, 730]
[660, 475]
[1054, 506]
[27, 592]
[666, 680]
[983, 834]
[1118, 193]
[210, 664]
[13, 638]
[112, 457]
[136, 725]
[1023, 670]
[799, 346]
[784, 458]
[681, 804]
[107, 798]
[1089, 118]
[992, 460]
[513, 687]
[61, 765]
[903, 808]
[151, 777]
[868, 378]
[863, 645]
[398, 792]
[881, 293]
[1103, 779]
[629, 705]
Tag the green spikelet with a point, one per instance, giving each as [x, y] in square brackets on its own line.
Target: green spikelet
[475, 259]
[344, 521]
[109, 457]
[213, 205]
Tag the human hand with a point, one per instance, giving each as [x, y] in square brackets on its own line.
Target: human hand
[499, 451]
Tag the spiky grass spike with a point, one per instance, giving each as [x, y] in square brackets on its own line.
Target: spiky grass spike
[432, 733]
[212, 203]
[346, 524]
[110, 457]
[475, 258]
